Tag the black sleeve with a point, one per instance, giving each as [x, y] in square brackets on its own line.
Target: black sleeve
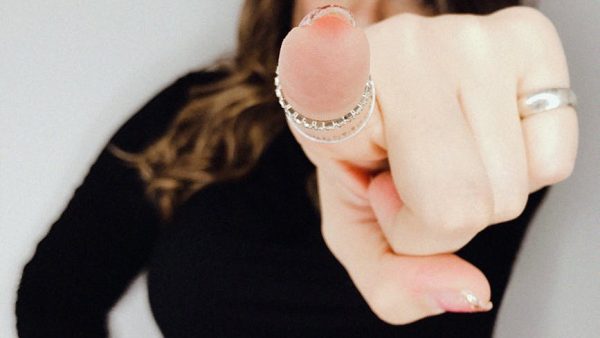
[102, 239]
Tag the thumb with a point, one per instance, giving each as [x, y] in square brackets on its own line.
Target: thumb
[399, 289]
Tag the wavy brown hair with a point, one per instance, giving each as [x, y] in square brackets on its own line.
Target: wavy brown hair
[223, 129]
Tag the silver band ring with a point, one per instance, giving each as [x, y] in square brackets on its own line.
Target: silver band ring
[545, 100]
[330, 131]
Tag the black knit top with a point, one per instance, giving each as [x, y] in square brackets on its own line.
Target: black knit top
[239, 259]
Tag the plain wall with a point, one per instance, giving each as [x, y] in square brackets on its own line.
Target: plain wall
[72, 72]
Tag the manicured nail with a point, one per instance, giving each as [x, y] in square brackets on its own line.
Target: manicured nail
[328, 10]
[462, 301]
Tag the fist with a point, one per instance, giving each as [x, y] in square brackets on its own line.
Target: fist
[445, 153]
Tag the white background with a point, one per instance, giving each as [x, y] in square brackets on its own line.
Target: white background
[71, 72]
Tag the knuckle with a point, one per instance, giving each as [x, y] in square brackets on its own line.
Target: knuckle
[476, 42]
[467, 221]
[512, 207]
[519, 14]
[470, 31]
[396, 22]
[464, 220]
[380, 34]
[553, 172]
[406, 25]
[524, 21]
[532, 37]
[463, 216]
[471, 24]
[466, 30]
[407, 20]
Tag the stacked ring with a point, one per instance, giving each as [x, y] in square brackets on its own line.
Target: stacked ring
[335, 130]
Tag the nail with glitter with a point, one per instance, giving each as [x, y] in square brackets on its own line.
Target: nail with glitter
[462, 301]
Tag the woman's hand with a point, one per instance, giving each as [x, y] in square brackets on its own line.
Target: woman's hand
[445, 153]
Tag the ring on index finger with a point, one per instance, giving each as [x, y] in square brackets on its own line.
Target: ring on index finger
[335, 130]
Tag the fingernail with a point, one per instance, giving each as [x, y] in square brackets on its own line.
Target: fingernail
[462, 301]
[328, 10]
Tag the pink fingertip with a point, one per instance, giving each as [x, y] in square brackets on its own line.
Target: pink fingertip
[331, 12]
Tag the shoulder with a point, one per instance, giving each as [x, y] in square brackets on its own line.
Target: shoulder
[154, 117]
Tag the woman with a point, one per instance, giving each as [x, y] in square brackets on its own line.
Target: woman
[208, 189]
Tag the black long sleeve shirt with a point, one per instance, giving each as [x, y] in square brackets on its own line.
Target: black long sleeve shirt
[239, 259]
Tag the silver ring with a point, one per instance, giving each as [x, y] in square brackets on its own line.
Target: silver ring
[545, 100]
[330, 131]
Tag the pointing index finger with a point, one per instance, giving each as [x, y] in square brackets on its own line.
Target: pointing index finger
[324, 71]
